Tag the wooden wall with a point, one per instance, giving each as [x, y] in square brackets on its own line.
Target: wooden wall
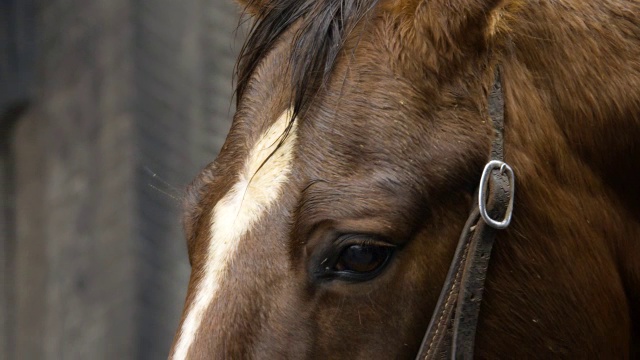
[119, 105]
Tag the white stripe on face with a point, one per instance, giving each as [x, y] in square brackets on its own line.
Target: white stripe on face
[259, 185]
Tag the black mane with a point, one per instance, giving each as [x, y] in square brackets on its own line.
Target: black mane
[325, 25]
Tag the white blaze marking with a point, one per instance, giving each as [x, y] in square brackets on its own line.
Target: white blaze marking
[234, 215]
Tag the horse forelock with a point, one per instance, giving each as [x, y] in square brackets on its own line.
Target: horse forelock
[322, 28]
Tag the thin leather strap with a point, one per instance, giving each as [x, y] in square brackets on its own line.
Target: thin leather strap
[496, 114]
[438, 332]
[473, 277]
[451, 331]
[475, 269]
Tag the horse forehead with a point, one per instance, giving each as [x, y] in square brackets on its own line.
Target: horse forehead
[258, 184]
[256, 188]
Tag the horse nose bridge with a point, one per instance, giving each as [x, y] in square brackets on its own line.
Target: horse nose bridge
[230, 323]
[248, 294]
[230, 299]
[245, 258]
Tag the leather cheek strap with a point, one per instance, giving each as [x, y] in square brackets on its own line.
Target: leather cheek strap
[452, 328]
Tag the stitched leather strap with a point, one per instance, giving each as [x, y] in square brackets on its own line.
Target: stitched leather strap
[451, 332]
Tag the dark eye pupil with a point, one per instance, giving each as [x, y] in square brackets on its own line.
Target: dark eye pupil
[362, 258]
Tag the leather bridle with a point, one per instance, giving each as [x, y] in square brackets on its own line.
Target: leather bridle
[452, 329]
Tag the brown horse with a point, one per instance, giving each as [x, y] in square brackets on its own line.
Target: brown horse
[327, 224]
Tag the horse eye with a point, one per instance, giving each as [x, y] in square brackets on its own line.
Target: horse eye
[363, 259]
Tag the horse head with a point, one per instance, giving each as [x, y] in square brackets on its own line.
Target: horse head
[326, 226]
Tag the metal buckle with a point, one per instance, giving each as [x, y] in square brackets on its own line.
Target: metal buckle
[483, 193]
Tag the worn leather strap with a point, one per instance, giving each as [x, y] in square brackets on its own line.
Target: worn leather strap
[452, 328]
[475, 273]
[438, 339]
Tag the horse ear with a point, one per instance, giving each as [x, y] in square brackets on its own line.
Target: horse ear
[452, 25]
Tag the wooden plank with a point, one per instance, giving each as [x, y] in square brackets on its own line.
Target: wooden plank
[75, 269]
[30, 254]
[100, 267]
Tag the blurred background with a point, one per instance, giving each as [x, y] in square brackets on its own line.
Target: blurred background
[108, 108]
